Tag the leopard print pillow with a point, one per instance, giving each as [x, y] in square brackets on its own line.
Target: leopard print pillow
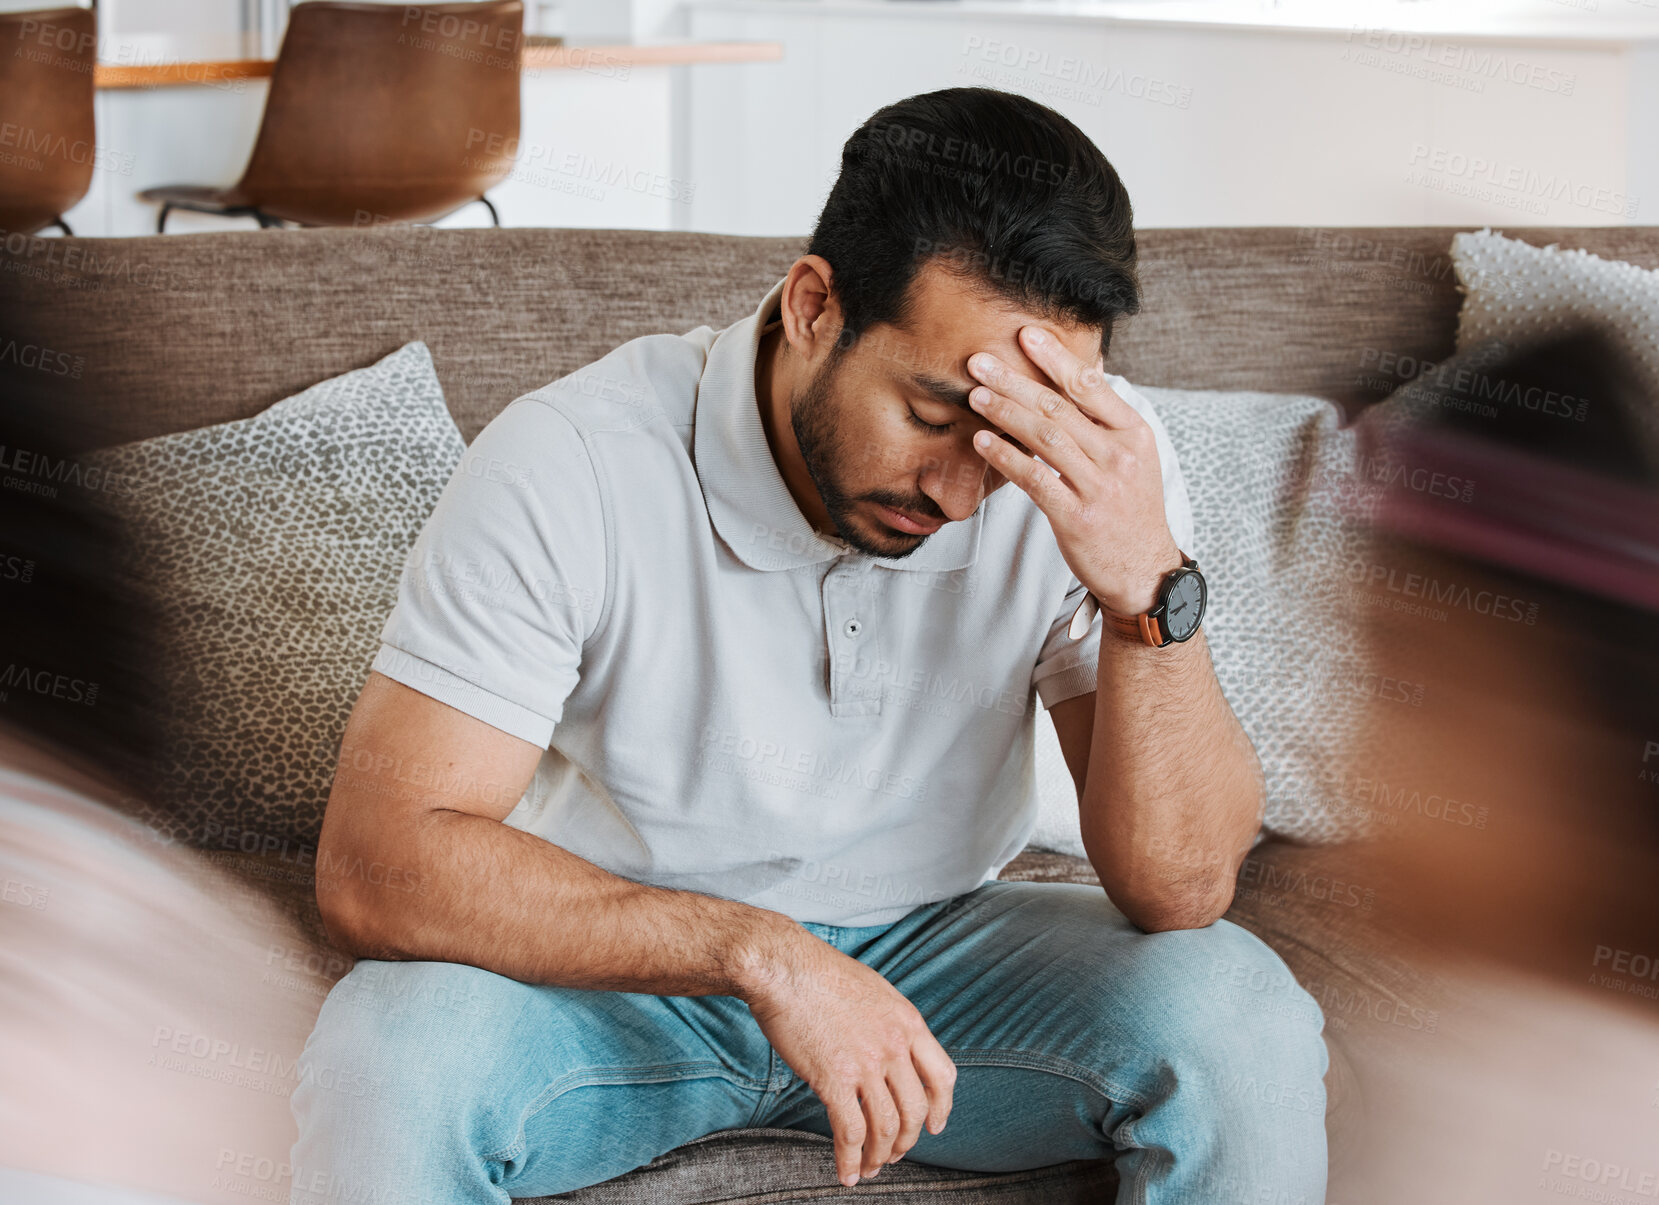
[273, 547]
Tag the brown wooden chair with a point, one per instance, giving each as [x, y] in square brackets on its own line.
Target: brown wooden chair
[48, 144]
[378, 113]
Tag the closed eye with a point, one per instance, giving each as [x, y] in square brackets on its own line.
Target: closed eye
[927, 426]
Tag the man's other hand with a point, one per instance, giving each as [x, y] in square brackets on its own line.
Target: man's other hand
[859, 1044]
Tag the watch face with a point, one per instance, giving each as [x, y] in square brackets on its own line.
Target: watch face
[1184, 605]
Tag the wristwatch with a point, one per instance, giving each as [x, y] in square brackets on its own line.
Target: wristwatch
[1174, 617]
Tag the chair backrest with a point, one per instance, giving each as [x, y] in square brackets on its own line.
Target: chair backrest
[388, 112]
[47, 140]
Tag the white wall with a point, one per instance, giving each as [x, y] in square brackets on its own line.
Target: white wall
[172, 16]
[1208, 126]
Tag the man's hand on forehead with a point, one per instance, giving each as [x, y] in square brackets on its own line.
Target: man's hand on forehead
[1102, 489]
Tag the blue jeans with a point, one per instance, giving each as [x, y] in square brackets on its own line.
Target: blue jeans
[1192, 1056]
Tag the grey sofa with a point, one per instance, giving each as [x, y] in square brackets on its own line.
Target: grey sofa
[176, 333]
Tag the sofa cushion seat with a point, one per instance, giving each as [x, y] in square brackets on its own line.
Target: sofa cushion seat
[764, 1164]
[1318, 907]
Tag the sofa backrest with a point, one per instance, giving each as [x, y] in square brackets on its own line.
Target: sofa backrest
[144, 336]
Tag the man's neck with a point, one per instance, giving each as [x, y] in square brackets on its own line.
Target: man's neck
[774, 387]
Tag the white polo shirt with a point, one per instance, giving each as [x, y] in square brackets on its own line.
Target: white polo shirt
[732, 703]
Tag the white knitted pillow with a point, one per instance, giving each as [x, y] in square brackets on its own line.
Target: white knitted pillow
[1517, 293]
[1271, 478]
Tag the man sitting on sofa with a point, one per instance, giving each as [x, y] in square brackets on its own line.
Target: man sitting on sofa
[705, 718]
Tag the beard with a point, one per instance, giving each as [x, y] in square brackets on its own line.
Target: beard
[814, 415]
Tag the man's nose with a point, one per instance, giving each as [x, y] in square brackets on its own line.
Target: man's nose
[959, 483]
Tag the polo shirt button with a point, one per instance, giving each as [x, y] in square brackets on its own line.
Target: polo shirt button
[853, 627]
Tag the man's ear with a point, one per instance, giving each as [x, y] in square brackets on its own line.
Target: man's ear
[810, 312]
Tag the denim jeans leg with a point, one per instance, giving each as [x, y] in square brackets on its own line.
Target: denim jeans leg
[444, 1083]
[1192, 1055]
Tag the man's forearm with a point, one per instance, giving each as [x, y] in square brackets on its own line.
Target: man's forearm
[1174, 790]
[495, 897]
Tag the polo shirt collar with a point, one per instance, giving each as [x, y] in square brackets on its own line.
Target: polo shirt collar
[749, 503]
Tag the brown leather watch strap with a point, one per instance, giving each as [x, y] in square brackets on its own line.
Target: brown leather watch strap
[1145, 627]
[1137, 627]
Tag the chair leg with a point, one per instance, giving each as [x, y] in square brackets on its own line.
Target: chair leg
[161, 220]
[62, 225]
[267, 222]
[495, 218]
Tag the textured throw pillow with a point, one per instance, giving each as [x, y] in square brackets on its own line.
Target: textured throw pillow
[1277, 487]
[1517, 293]
[273, 546]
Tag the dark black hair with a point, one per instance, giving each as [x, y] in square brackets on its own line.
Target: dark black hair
[990, 184]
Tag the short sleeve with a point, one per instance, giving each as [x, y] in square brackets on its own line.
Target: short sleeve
[1066, 667]
[506, 581]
